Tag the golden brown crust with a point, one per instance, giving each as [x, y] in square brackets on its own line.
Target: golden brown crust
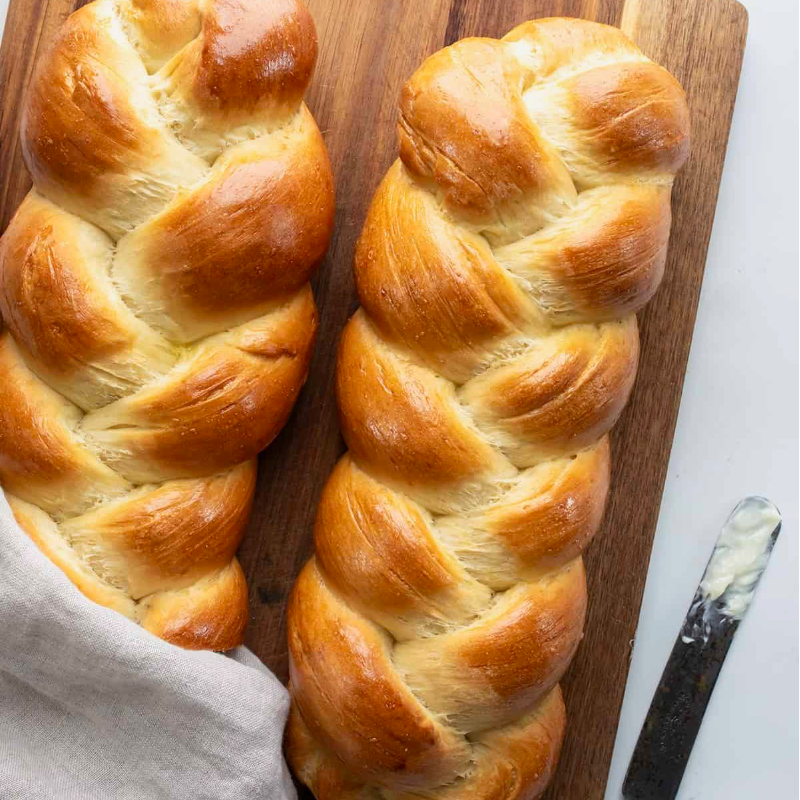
[489, 673]
[463, 124]
[561, 44]
[407, 250]
[254, 53]
[251, 235]
[546, 520]
[379, 550]
[62, 310]
[319, 768]
[44, 532]
[341, 670]
[605, 262]
[42, 460]
[517, 761]
[221, 406]
[636, 114]
[168, 537]
[560, 398]
[163, 27]
[154, 287]
[514, 762]
[211, 614]
[86, 144]
[44, 276]
[407, 426]
[500, 266]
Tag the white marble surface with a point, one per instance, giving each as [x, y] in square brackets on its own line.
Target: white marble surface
[737, 434]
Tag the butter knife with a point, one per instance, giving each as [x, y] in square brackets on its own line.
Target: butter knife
[729, 583]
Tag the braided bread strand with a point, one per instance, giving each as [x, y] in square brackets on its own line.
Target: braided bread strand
[154, 289]
[500, 267]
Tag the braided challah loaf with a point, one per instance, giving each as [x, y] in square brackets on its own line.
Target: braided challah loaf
[154, 288]
[500, 267]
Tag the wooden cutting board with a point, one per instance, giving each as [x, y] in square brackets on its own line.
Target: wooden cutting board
[368, 48]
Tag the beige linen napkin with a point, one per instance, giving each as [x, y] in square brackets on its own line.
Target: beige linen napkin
[92, 706]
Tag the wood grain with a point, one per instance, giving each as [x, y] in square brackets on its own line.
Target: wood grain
[367, 50]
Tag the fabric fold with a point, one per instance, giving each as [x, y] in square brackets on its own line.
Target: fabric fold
[93, 706]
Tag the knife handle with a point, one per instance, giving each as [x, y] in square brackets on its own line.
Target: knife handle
[673, 721]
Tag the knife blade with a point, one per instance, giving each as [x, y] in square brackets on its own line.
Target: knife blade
[729, 583]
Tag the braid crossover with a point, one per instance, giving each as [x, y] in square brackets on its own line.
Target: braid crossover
[500, 268]
[154, 291]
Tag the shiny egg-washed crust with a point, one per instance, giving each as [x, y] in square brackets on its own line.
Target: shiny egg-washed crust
[154, 290]
[500, 267]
